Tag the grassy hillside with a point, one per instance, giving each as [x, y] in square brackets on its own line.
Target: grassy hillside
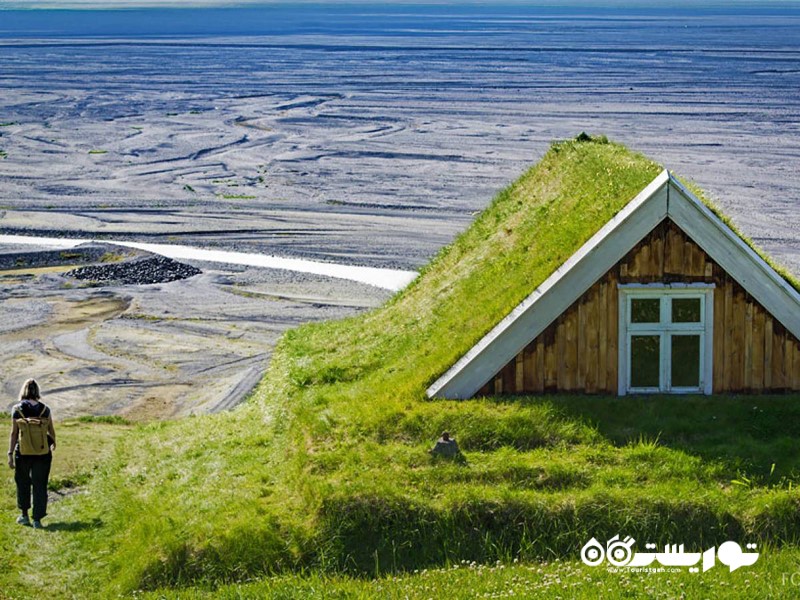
[324, 473]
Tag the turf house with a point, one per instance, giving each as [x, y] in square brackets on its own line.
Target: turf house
[664, 298]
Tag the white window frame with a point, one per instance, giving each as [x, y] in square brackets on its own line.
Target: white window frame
[664, 329]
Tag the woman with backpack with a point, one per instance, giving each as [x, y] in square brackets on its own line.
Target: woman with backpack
[30, 453]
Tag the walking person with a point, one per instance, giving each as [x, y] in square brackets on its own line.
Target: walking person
[30, 452]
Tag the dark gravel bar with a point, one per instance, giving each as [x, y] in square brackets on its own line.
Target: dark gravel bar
[155, 269]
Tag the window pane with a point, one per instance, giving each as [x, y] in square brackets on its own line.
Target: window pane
[645, 310]
[685, 361]
[686, 310]
[645, 361]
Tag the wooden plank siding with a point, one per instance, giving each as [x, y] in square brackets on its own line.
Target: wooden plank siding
[578, 352]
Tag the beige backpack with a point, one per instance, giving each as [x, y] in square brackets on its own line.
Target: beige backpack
[33, 434]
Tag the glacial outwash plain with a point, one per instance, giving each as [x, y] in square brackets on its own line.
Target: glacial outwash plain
[228, 430]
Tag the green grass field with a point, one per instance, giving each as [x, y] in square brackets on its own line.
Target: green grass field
[778, 577]
[321, 484]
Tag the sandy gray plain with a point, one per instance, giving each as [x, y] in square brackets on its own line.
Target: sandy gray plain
[373, 150]
[159, 350]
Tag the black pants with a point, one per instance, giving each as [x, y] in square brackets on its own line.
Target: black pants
[32, 472]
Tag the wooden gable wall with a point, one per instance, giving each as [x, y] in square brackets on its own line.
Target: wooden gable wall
[578, 352]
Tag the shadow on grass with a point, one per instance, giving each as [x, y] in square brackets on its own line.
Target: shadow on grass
[655, 494]
[750, 433]
[73, 526]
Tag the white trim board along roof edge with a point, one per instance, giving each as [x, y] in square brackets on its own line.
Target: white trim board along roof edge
[664, 196]
[738, 259]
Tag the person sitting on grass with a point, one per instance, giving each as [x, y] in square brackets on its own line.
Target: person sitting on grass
[30, 454]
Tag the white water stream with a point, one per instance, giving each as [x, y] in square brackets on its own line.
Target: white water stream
[389, 279]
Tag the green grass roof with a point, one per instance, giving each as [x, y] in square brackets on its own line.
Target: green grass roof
[528, 231]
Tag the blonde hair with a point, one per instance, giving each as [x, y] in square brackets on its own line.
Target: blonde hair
[29, 390]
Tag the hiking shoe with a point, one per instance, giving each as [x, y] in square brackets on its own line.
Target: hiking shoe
[38, 525]
[23, 520]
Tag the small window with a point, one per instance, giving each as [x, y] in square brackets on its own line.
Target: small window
[686, 310]
[645, 361]
[665, 339]
[686, 361]
[645, 310]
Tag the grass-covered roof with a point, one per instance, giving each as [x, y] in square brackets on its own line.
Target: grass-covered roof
[527, 232]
